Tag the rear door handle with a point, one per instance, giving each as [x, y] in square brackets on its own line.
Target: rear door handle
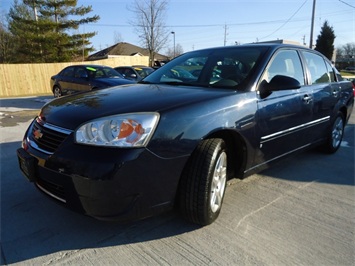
[335, 93]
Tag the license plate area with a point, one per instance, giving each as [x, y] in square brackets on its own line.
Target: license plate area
[27, 164]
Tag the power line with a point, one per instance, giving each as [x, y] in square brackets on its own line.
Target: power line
[285, 21]
[347, 4]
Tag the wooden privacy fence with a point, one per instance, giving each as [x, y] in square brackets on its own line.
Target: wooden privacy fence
[34, 79]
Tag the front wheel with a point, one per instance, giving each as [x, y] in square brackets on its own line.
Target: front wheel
[335, 135]
[203, 182]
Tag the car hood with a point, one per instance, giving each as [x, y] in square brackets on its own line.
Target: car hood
[71, 111]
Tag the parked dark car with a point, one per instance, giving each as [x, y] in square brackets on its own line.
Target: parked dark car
[135, 73]
[173, 140]
[81, 78]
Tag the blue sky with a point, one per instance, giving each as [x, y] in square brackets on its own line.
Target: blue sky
[205, 23]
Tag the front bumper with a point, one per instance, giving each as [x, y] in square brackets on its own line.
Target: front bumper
[105, 183]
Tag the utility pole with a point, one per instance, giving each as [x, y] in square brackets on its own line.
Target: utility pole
[173, 33]
[225, 34]
[312, 25]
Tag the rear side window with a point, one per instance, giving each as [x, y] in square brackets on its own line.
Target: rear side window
[317, 68]
[331, 72]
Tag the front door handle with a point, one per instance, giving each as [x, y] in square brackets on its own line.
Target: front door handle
[307, 99]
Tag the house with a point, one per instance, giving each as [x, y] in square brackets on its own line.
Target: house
[127, 49]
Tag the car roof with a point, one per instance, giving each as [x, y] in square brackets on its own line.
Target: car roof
[90, 65]
[270, 45]
[273, 46]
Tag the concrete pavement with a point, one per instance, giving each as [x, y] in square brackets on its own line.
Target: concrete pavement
[299, 212]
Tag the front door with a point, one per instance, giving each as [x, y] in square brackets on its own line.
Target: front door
[284, 117]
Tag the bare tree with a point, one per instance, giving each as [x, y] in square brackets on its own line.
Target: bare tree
[346, 51]
[117, 37]
[171, 52]
[149, 23]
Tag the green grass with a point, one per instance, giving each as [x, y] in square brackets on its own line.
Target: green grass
[347, 73]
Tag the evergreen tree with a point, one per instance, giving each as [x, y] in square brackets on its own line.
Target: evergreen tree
[6, 44]
[44, 29]
[325, 41]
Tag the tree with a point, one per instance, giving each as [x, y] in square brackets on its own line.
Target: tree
[178, 51]
[6, 44]
[24, 33]
[44, 30]
[149, 23]
[345, 56]
[347, 50]
[325, 41]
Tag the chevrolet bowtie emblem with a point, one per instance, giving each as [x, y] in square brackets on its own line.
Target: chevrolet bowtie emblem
[38, 134]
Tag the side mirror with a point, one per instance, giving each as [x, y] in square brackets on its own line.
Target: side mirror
[278, 83]
[133, 76]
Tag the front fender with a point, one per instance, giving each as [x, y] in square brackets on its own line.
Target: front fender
[180, 130]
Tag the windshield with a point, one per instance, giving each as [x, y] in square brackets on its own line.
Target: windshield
[103, 72]
[220, 67]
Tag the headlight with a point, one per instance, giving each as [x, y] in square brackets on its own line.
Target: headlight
[126, 130]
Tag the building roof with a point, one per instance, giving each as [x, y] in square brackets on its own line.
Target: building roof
[123, 48]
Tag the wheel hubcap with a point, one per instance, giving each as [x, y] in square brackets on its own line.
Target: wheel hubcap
[337, 132]
[218, 182]
[57, 92]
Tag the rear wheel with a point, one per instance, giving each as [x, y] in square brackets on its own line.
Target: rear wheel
[336, 134]
[203, 182]
[57, 92]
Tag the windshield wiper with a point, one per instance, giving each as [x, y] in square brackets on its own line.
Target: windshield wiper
[180, 83]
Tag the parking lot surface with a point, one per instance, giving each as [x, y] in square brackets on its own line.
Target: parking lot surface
[299, 212]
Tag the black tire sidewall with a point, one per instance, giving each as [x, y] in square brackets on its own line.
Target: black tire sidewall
[329, 148]
[196, 182]
[212, 216]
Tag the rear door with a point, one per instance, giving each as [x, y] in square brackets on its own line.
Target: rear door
[284, 117]
[326, 91]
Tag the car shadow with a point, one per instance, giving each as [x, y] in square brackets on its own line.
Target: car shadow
[315, 165]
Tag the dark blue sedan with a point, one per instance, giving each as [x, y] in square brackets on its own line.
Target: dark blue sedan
[134, 151]
[81, 78]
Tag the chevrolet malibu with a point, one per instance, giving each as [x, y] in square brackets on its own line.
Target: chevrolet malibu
[174, 140]
[79, 78]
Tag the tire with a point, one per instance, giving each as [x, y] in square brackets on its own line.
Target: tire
[335, 135]
[57, 92]
[203, 182]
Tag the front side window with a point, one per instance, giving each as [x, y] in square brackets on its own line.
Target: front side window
[317, 68]
[285, 63]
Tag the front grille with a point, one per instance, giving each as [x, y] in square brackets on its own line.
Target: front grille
[52, 189]
[46, 137]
